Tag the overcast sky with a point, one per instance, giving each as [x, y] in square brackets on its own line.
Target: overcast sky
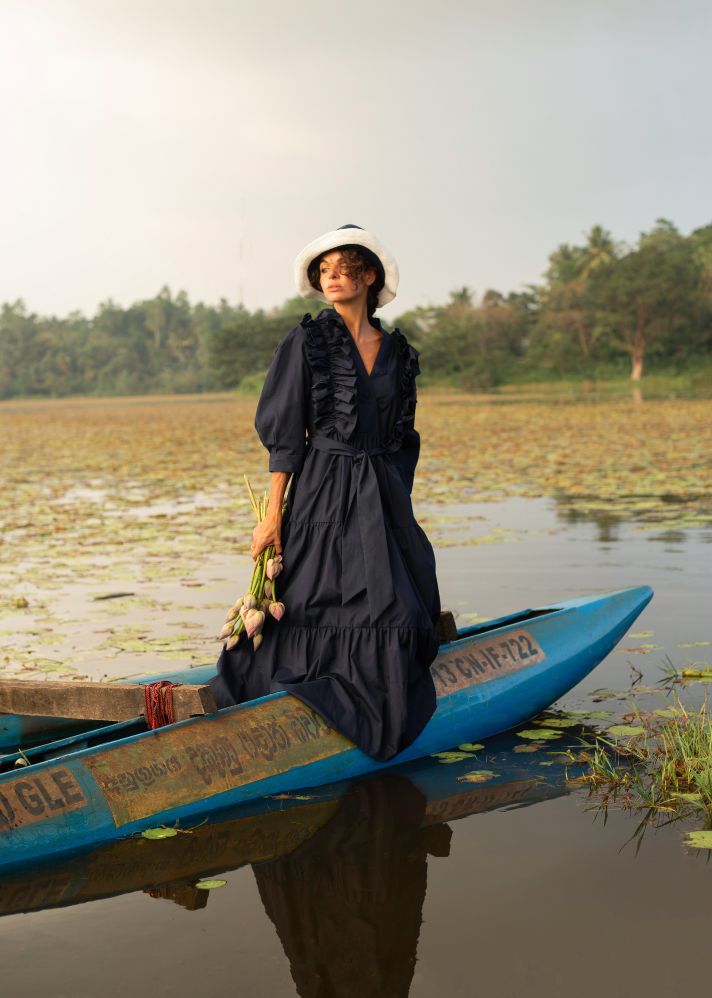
[202, 143]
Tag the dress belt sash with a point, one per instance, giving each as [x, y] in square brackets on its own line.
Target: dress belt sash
[365, 562]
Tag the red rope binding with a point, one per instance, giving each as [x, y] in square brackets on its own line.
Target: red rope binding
[158, 698]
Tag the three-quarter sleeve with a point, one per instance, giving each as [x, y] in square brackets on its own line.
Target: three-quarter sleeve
[282, 411]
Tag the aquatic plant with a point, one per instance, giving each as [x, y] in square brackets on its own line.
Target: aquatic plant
[249, 613]
[662, 763]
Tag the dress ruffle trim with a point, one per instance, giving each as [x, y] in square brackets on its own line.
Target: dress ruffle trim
[410, 369]
[333, 388]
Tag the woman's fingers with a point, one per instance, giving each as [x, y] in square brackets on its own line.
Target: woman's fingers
[262, 537]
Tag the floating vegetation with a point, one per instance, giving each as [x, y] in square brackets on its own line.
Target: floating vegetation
[104, 502]
[477, 776]
[662, 764]
[539, 734]
[693, 671]
[558, 722]
[591, 714]
[159, 833]
[699, 839]
[450, 757]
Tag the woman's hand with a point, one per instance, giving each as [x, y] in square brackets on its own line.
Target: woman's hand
[267, 531]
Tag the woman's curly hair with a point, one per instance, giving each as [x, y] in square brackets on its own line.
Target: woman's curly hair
[357, 259]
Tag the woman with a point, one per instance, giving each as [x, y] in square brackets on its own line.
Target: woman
[359, 584]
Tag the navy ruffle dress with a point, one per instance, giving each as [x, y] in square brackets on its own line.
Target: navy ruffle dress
[359, 582]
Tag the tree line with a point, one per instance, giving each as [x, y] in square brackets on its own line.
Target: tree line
[600, 306]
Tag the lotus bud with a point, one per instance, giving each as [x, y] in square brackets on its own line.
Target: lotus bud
[231, 642]
[254, 623]
[239, 603]
[274, 567]
[244, 611]
[268, 588]
[249, 601]
[277, 610]
[232, 613]
[227, 630]
[256, 641]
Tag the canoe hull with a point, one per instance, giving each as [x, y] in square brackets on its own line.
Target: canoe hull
[489, 680]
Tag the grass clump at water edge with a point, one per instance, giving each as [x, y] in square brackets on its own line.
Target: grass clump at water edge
[664, 765]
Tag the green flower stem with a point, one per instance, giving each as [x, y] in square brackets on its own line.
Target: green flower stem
[261, 590]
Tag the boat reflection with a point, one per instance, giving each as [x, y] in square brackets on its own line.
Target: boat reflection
[341, 870]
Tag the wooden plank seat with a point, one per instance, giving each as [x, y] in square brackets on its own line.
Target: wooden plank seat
[96, 701]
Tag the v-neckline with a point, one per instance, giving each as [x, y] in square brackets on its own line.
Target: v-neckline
[384, 334]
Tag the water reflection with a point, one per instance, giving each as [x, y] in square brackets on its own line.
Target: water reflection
[341, 872]
[615, 518]
[347, 904]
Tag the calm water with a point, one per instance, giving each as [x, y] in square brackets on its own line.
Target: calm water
[412, 883]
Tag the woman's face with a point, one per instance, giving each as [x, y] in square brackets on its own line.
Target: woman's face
[337, 285]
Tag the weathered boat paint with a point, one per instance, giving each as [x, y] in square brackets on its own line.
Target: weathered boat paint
[260, 832]
[490, 679]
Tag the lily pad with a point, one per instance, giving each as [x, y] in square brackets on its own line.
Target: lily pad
[159, 833]
[694, 644]
[471, 746]
[699, 840]
[448, 757]
[539, 734]
[210, 885]
[626, 730]
[526, 748]
[558, 722]
[477, 776]
[599, 715]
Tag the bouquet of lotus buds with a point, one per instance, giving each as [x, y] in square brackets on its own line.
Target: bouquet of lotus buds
[250, 612]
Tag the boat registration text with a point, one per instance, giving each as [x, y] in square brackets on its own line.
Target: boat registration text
[484, 660]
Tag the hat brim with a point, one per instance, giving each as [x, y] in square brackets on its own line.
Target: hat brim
[345, 237]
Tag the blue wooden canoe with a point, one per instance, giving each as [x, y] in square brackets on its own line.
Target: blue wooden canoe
[495, 676]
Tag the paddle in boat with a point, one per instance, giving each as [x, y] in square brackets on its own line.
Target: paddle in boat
[98, 786]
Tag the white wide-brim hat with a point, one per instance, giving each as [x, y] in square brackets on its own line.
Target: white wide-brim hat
[346, 235]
